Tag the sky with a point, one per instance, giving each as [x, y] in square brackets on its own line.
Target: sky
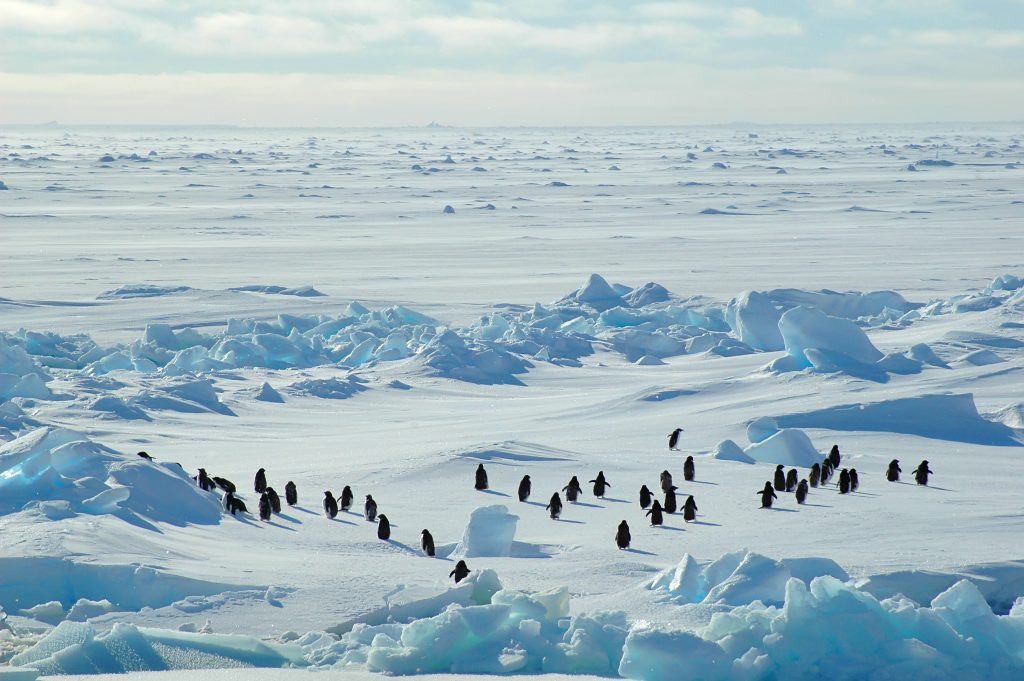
[521, 62]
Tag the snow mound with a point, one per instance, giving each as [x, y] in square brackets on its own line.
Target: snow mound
[141, 291]
[267, 393]
[517, 451]
[817, 341]
[754, 319]
[300, 291]
[727, 450]
[448, 355]
[491, 530]
[595, 293]
[789, 447]
[326, 388]
[981, 358]
[59, 472]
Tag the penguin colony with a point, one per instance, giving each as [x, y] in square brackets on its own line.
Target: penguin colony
[783, 481]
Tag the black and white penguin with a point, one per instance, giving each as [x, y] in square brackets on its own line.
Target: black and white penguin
[833, 456]
[383, 527]
[688, 469]
[460, 572]
[554, 506]
[689, 509]
[481, 478]
[265, 509]
[330, 505]
[854, 480]
[346, 498]
[792, 480]
[229, 502]
[145, 456]
[260, 483]
[671, 503]
[844, 481]
[892, 474]
[224, 484]
[767, 494]
[572, 490]
[655, 512]
[204, 481]
[622, 537]
[427, 543]
[275, 501]
[600, 484]
[645, 496]
[665, 480]
[922, 472]
[826, 472]
[801, 492]
[524, 488]
[815, 475]
[673, 439]
[370, 509]
[780, 478]
[291, 493]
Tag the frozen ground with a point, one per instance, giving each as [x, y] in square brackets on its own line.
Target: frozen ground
[387, 345]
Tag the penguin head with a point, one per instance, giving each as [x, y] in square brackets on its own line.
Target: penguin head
[779, 467]
[369, 498]
[202, 471]
[327, 493]
[262, 470]
[424, 532]
[526, 477]
[382, 518]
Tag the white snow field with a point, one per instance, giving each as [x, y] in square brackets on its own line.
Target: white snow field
[302, 301]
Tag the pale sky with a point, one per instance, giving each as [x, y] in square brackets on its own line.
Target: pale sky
[521, 62]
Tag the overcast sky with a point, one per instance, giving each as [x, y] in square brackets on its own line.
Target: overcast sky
[520, 62]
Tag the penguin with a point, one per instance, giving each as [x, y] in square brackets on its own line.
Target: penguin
[291, 494]
[265, 509]
[224, 484]
[689, 509]
[673, 440]
[260, 484]
[645, 496]
[234, 504]
[204, 481]
[275, 501]
[427, 543]
[892, 474]
[922, 472]
[346, 498]
[622, 537]
[688, 469]
[815, 475]
[780, 478]
[572, 490]
[229, 502]
[524, 488]
[655, 512]
[600, 484]
[767, 494]
[555, 506]
[665, 480]
[670, 500]
[801, 492]
[383, 527]
[833, 456]
[481, 478]
[792, 480]
[844, 481]
[854, 480]
[460, 572]
[330, 505]
[145, 456]
[826, 472]
[370, 509]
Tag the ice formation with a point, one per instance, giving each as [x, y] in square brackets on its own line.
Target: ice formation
[491, 530]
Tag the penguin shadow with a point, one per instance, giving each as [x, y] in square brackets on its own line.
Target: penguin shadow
[402, 546]
[303, 510]
[914, 484]
[614, 500]
[244, 519]
[585, 504]
[133, 519]
[705, 522]
[289, 518]
[640, 552]
[535, 503]
[781, 510]
[339, 519]
[817, 505]
[702, 482]
[863, 494]
[271, 523]
[674, 529]
[493, 492]
[573, 522]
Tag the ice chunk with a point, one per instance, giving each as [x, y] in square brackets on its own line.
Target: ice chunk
[805, 328]
[789, 447]
[755, 321]
[727, 450]
[761, 429]
[489, 532]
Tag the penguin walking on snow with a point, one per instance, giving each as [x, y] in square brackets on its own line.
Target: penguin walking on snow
[826, 472]
[234, 505]
[291, 494]
[833, 456]
[665, 480]
[524, 488]
[689, 509]
[554, 506]
[892, 474]
[383, 527]
[370, 509]
[780, 478]
[481, 478]
[275, 501]
[815, 475]
[460, 572]
[673, 439]
[767, 494]
[145, 456]
[792, 480]
[224, 484]
[622, 537]
[645, 496]
[688, 469]
[844, 481]
[801, 492]
[854, 480]
[346, 498]
[922, 472]
[265, 509]
[260, 483]
[655, 512]
[572, 490]
[670, 504]
[427, 543]
[330, 506]
[600, 484]
[204, 481]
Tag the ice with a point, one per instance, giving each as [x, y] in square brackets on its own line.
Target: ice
[491, 530]
[267, 393]
[789, 447]
[755, 321]
[658, 655]
[761, 429]
[596, 294]
[810, 335]
[981, 358]
[727, 450]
